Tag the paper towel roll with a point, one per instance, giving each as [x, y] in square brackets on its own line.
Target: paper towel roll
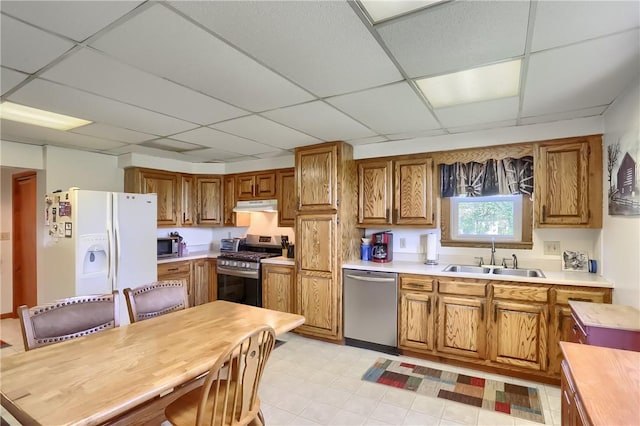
[432, 248]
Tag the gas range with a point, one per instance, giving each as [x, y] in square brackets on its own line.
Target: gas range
[251, 251]
[243, 260]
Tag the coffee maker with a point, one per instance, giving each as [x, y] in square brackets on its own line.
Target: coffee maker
[382, 249]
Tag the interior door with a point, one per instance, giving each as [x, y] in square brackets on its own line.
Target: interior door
[24, 190]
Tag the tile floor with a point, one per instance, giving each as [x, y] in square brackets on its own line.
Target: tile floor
[308, 382]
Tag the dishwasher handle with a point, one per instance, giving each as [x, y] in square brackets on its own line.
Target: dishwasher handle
[371, 279]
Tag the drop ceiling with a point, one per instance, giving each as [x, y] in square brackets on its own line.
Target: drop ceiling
[229, 81]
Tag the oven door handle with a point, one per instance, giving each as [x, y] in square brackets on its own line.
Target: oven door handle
[221, 270]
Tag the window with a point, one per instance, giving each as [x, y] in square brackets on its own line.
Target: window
[486, 218]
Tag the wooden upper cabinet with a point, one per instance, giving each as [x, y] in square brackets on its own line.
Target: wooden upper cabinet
[414, 200]
[285, 188]
[316, 234]
[164, 184]
[187, 197]
[256, 186]
[316, 177]
[229, 186]
[209, 200]
[375, 192]
[568, 183]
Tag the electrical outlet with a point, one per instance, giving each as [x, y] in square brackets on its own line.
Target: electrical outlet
[403, 243]
[552, 248]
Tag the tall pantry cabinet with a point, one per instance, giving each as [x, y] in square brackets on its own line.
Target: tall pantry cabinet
[326, 234]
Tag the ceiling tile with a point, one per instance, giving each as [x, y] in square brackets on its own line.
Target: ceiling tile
[10, 79]
[479, 112]
[198, 60]
[105, 131]
[274, 154]
[171, 145]
[457, 36]
[74, 19]
[589, 112]
[28, 49]
[577, 77]
[94, 72]
[413, 135]
[215, 139]
[66, 100]
[285, 34]
[483, 126]
[266, 131]
[388, 109]
[210, 154]
[320, 120]
[563, 22]
[365, 141]
[18, 132]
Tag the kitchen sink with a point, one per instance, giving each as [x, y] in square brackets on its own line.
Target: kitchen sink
[534, 273]
[471, 269]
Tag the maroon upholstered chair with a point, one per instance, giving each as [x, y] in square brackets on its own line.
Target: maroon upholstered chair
[68, 318]
[155, 299]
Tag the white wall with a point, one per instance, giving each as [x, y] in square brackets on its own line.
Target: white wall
[87, 170]
[621, 236]
[6, 258]
[21, 155]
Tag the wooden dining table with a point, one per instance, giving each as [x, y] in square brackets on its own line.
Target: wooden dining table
[101, 377]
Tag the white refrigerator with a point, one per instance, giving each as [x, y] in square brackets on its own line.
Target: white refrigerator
[97, 242]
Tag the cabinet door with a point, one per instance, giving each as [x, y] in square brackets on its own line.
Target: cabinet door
[416, 322]
[187, 192]
[286, 197]
[461, 326]
[560, 332]
[213, 280]
[180, 271]
[316, 174]
[562, 184]
[519, 334]
[265, 185]
[165, 185]
[200, 282]
[317, 291]
[244, 187]
[229, 218]
[278, 288]
[375, 192]
[414, 192]
[209, 207]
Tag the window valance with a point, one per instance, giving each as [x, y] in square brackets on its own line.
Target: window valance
[507, 176]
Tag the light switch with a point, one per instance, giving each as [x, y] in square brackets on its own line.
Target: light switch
[552, 248]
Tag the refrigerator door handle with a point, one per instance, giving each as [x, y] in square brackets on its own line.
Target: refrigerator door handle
[116, 235]
[110, 242]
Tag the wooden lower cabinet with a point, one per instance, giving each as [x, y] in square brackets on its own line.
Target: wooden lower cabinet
[213, 280]
[196, 274]
[572, 411]
[461, 326]
[513, 327]
[317, 302]
[416, 325]
[278, 288]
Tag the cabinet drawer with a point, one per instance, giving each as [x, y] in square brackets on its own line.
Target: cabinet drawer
[564, 295]
[416, 282]
[462, 287]
[172, 268]
[520, 292]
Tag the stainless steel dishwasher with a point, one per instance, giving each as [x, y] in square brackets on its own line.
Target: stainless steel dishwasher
[371, 310]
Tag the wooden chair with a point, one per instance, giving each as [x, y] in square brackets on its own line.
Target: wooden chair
[155, 299]
[231, 397]
[66, 319]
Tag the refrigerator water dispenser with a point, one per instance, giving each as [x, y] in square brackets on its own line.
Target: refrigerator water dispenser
[95, 260]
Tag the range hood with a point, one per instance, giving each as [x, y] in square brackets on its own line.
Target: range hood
[256, 206]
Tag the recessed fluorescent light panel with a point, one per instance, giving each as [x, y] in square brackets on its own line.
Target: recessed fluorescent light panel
[39, 117]
[477, 84]
[380, 10]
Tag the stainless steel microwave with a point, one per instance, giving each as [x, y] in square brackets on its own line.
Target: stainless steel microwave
[168, 246]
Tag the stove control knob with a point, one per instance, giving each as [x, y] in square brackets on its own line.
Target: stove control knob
[243, 265]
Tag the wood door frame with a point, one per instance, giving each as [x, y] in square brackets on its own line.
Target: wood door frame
[16, 246]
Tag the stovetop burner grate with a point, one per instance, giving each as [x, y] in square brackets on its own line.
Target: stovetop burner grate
[246, 255]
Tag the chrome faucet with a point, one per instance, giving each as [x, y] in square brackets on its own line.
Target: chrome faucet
[493, 251]
[515, 261]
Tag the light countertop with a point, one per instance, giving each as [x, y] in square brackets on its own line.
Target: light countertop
[619, 317]
[280, 260]
[584, 279]
[206, 254]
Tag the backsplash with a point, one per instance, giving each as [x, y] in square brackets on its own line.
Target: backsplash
[585, 240]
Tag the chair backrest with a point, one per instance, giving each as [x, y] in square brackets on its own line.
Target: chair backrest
[230, 392]
[66, 319]
[156, 299]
